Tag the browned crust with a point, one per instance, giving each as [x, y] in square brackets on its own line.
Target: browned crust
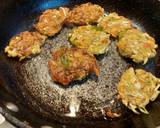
[77, 64]
[25, 44]
[85, 14]
[51, 21]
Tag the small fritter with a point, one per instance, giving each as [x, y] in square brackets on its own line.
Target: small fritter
[51, 21]
[25, 44]
[69, 64]
[137, 45]
[114, 24]
[83, 14]
[137, 88]
[91, 38]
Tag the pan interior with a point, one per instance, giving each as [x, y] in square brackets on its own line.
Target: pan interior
[88, 98]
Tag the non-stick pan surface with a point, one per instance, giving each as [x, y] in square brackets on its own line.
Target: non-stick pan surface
[25, 83]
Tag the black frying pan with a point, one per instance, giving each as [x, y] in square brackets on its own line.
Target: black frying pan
[19, 15]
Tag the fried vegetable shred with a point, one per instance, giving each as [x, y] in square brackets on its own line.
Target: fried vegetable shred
[69, 64]
[91, 38]
[51, 21]
[114, 24]
[25, 44]
[137, 45]
[83, 14]
[137, 88]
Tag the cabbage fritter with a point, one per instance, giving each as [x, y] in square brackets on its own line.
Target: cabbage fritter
[136, 88]
[91, 38]
[51, 21]
[83, 14]
[69, 64]
[137, 45]
[114, 24]
[25, 44]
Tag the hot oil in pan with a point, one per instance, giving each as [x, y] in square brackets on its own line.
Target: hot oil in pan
[88, 98]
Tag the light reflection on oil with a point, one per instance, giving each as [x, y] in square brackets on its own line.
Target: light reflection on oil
[73, 107]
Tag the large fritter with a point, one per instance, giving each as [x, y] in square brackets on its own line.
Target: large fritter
[87, 13]
[136, 88]
[114, 24]
[69, 64]
[51, 21]
[25, 44]
[91, 38]
[137, 45]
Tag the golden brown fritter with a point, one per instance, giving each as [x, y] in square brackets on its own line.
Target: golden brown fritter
[136, 88]
[69, 64]
[25, 44]
[137, 45]
[83, 14]
[114, 24]
[51, 21]
[91, 38]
